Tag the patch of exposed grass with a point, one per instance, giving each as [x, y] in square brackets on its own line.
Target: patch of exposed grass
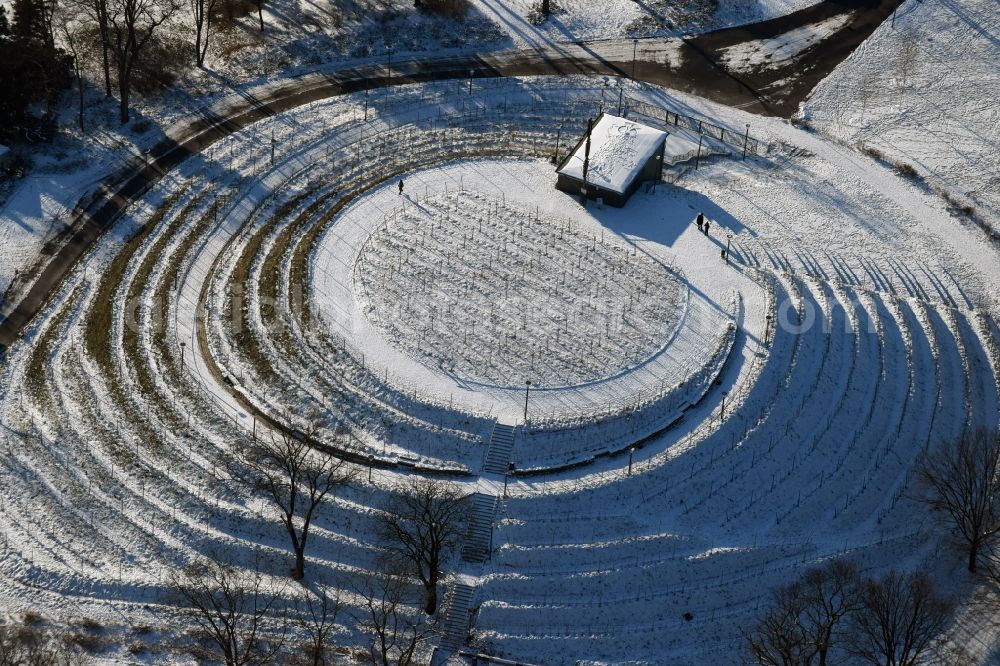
[100, 320]
[36, 372]
[130, 334]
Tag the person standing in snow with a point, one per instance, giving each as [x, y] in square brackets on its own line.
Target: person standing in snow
[706, 227]
[700, 220]
[400, 185]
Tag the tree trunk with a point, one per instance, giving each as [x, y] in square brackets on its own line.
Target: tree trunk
[260, 13]
[123, 99]
[545, 7]
[107, 70]
[973, 556]
[79, 87]
[300, 564]
[431, 600]
[102, 24]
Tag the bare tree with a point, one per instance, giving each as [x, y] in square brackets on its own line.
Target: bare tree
[867, 86]
[800, 625]
[97, 11]
[298, 480]
[829, 594]
[68, 31]
[395, 629]
[131, 24]
[900, 619]
[779, 637]
[963, 482]
[422, 526]
[907, 58]
[201, 11]
[232, 607]
[318, 620]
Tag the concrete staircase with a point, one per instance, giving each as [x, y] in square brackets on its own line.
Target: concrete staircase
[455, 628]
[476, 548]
[498, 452]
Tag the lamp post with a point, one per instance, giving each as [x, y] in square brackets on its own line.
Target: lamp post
[631, 450]
[508, 471]
[366, 100]
[621, 89]
[527, 387]
[697, 159]
[635, 46]
[471, 72]
[182, 354]
[729, 238]
[724, 394]
[388, 68]
[746, 138]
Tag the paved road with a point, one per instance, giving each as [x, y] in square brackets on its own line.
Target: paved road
[693, 64]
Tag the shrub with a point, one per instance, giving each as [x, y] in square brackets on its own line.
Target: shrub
[87, 642]
[872, 152]
[31, 618]
[447, 8]
[159, 64]
[90, 624]
[907, 170]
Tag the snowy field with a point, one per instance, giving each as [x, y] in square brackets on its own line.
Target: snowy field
[922, 90]
[865, 328]
[437, 269]
[302, 36]
[504, 316]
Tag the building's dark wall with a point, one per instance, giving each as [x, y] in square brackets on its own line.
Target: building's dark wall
[651, 171]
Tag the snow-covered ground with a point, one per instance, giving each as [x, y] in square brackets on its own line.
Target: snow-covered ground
[776, 51]
[301, 36]
[866, 328]
[922, 90]
[572, 340]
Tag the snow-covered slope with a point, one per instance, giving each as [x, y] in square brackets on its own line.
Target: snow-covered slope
[923, 91]
[865, 330]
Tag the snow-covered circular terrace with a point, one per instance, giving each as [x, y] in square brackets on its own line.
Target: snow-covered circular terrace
[492, 293]
[118, 437]
[571, 272]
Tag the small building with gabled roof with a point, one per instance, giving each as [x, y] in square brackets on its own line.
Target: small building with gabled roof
[622, 155]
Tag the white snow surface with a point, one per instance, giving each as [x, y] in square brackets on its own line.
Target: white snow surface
[691, 328]
[777, 51]
[619, 150]
[38, 209]
[923, 90]
[302, 36]
[106, 487]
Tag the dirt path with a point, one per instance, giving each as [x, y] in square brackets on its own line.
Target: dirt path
[695, 65]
